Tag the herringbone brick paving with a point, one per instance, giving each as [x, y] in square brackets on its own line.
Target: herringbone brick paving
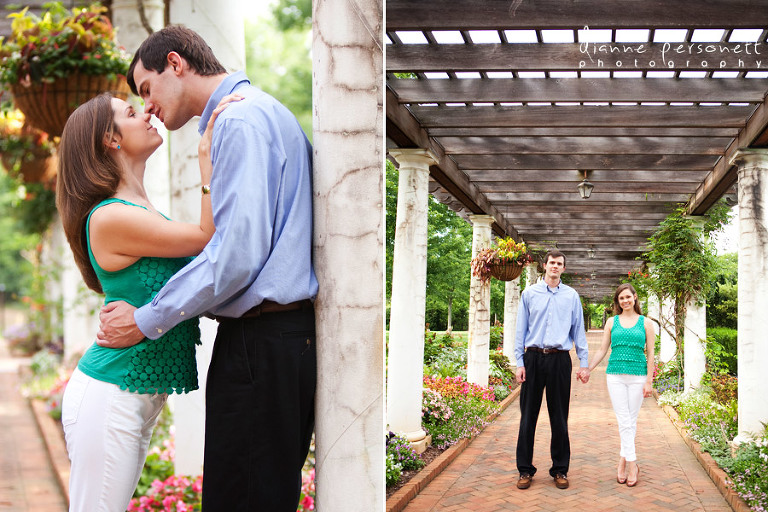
[483, 477]
[27, 481]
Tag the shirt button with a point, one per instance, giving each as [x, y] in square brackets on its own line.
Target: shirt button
[181, 314]
[159, 331]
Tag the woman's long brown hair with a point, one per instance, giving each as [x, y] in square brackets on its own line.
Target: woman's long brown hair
[87, 175]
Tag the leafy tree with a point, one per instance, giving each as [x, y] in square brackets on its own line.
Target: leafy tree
[293, 14]
[15, 270]
[722, 300]
[683, 261]
[449, 251]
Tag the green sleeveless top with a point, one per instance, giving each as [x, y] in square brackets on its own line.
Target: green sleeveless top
[628, 349]
[164, 365]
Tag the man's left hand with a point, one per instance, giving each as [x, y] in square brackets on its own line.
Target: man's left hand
[118, 329]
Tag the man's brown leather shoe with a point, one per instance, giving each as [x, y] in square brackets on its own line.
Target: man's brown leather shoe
[561, 481]
[525, 481]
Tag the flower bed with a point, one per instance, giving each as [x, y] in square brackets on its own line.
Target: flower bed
[709, 416]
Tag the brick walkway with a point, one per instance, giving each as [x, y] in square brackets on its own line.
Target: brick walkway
[27, 480]
[483, 477]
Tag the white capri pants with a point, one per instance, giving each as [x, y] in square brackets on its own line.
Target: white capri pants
[107, 431]
[626, 396]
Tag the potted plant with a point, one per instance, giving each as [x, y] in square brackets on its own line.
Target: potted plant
[504, 261]
[54, 62]
[26, 152]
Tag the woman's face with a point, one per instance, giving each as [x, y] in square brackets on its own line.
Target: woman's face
[137, 136]
[627, 300]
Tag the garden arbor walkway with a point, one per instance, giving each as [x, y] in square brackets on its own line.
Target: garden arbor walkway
[483, 477]
[500, 108]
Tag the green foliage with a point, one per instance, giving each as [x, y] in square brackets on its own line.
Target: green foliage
[59, 43]
[683, 261]
[496, 336]
[394, 470]
[723, 299]
[278, 59]
[749, 472]
[293, 14]
[15, 269]
[724, 388]
[403, 452]
[721, 350]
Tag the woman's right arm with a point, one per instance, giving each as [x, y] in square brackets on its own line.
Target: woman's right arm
[600, 354]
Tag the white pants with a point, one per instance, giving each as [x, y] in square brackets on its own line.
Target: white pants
[107, 431]
[626, 396]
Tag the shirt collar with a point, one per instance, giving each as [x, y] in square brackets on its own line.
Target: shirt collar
[229, 84]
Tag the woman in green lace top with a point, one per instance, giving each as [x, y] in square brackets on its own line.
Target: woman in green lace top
[126, 250]
[629, 374]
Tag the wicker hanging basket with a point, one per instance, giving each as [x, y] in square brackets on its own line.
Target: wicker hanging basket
[506, 270]
[47, 106]
[36, 167]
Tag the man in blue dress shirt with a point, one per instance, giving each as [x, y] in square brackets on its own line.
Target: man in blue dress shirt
[255, 276]
[549, 321]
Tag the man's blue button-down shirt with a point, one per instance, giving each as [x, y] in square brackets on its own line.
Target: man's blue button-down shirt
[261, 192]
[550, 318]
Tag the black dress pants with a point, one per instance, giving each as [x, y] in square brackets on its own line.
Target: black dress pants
[260, 396]
[550, 372]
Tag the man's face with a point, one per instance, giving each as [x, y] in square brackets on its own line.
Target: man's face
[163, 95]
[554, 267]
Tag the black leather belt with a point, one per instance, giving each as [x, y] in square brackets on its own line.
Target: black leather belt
[266, 307]
[545, 350]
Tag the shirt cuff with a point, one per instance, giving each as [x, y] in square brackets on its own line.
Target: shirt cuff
[148, 323]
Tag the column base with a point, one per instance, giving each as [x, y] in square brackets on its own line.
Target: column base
[419, 440]
[421, 446]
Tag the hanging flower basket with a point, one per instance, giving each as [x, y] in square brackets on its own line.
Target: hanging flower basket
[37, 166]
[504, 262]
[506, 270]
[47, 106]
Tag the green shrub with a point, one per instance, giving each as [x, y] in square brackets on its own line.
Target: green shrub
[403, 452]
[721, 350]
[394, 470]
[496, 336]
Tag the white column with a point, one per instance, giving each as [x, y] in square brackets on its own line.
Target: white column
[479, 307]
[695, 337]
[511, 303]
[348, 244]
[407, 305]
[753, 288]
[667, 341]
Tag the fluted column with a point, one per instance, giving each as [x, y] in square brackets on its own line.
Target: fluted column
[479, 307]
[409, 284]
[695, 333]
[695, 336]
[753, 288]
[347, 97]
[511, 303]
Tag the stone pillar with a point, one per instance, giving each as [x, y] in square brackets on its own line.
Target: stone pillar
[479, 307]
[511, 303]
[667, 342]
[753, 288]
[695, 337]
[348, 253]
[409, 287]
[694, 332]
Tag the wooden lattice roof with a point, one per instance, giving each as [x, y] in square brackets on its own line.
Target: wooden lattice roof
[518, 99]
